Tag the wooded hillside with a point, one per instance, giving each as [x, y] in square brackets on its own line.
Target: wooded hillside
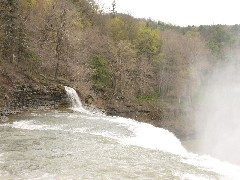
[111, 57]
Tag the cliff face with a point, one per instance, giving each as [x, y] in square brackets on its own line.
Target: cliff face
[39, 96]
[32, 97]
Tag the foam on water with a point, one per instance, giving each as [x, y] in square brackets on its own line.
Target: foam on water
[145, 135]
[1, 158]
[229, 171]
[32, 125]
[193, 177]
[148, 136]
[142, 135]
[29, 125]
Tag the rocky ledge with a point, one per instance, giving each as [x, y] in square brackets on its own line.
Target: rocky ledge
[33, 97]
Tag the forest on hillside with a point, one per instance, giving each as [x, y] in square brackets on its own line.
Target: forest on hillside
[109, 55]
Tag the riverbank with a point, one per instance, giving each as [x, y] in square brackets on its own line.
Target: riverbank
[37, 96]
[21, 91]
[173, 118]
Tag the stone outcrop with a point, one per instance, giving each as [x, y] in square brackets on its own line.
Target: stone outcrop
[32, 97]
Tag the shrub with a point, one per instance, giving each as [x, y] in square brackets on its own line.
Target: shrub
[102, 76]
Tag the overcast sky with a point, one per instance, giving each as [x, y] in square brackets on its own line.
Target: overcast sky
[182, 12]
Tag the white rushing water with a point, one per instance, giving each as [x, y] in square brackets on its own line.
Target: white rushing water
[86, 145]
[75, 100]
[145, 134]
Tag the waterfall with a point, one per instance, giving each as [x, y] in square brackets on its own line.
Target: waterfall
[130, 145]
[145, 134]
[74, 99]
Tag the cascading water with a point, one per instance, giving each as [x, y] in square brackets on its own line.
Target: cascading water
[75, 100]
[147, 136]
[90, 145]
[145, 133]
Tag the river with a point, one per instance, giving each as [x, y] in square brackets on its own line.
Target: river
[85, 144]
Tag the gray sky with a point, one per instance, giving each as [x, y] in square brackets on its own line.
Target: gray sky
[182, 12]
